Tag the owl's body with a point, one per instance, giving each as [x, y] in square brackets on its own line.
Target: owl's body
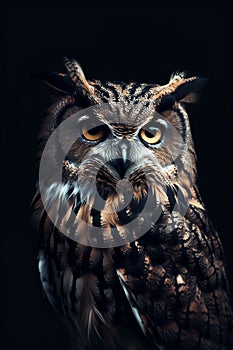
[167, 287]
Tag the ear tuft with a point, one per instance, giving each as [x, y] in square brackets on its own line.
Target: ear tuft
[177, 76]
[76, 74]
[191, 85]
[179, 89]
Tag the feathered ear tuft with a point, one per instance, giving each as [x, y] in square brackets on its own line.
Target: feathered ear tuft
[179, 89]
[177, 75]
[76, 74]
[189, 86]
[71, 82]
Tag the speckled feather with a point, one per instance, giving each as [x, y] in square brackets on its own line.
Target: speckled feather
[167, 289]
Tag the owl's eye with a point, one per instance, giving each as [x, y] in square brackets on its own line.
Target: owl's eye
[94, 134]
[152, 135]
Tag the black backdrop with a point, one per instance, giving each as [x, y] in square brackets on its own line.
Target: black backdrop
[119, 41]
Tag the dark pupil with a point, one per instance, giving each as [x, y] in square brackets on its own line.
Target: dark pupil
[94, 131]
[150, 133]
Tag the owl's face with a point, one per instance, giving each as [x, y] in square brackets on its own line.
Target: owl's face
[130, 156]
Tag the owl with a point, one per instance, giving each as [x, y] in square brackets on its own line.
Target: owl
[127, 253]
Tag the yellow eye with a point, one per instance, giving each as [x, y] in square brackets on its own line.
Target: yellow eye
[152, 135]
[94, 134]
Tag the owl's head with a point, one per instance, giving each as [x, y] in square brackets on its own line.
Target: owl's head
[122, 154]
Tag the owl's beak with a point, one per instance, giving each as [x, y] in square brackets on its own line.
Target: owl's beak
[121, 163]
[124, 154]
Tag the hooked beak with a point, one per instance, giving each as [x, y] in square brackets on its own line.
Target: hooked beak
[121, 163]
[124, 154]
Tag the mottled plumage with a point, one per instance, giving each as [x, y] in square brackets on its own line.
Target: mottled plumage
[167, 289]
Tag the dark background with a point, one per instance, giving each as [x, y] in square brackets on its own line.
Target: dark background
[119, 41]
